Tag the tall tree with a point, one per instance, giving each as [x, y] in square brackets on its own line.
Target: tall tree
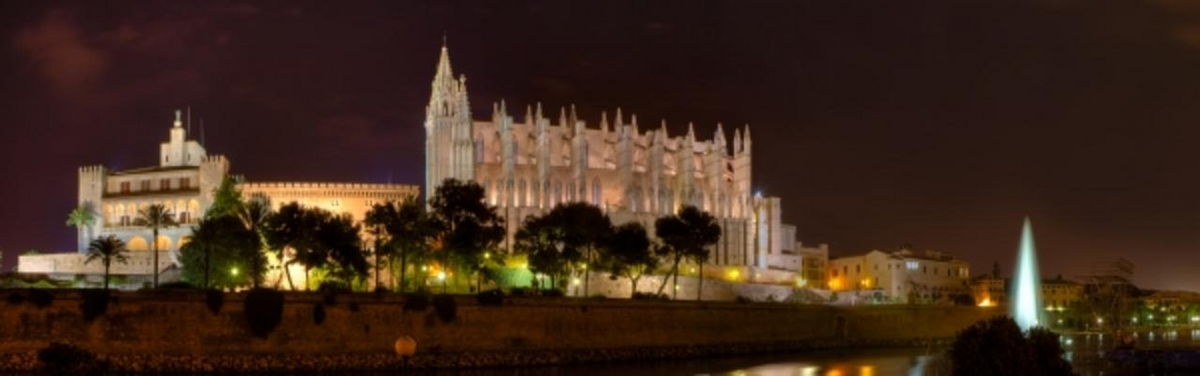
[106, 249]
[221, 243]
[254, 215]
[585, 228]
[467, 226]
[155, 217]
[403, 230]
[227, 199]
[82, 219]
[627, 253]
[542, 241]
[339, 248]
[688, 235]
[288, 235]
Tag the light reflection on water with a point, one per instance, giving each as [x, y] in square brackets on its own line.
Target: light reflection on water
[1084, 351]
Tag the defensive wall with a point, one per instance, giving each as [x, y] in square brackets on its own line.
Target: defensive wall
[177, 330]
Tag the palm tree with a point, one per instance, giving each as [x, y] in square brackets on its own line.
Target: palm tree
[82, 218]
[155, 217]
[106, 249]
[254, 215]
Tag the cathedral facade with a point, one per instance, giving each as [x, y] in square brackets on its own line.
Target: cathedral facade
[529, 166]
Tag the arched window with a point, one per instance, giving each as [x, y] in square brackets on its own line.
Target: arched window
[571, 192]
[478, 151]
[596, 191]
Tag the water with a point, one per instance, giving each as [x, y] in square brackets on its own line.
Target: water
[1027, 293]
[1084, 351]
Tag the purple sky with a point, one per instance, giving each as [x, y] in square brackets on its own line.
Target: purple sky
[936, 123]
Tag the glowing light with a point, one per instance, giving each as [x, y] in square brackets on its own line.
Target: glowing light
[424, 268]
[583, 266]
[1027, 296]
[866, 282]
[441, 276]
[801, 282]
[733, 274]
[835, 284]
[575, 281]
[487, 255]
[1195, 318]
[987, 302]
[1099, 320]
[233, 271]
[866, 371]
[676, 287]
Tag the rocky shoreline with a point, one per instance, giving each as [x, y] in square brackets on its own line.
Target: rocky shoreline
[259, 363]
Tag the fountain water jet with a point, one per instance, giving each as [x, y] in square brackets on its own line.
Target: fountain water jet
[1027, 299]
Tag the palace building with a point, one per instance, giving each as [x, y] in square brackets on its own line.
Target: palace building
[184, 182]
[632, 171]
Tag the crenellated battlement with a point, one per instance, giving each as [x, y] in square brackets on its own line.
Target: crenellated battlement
[328, 185]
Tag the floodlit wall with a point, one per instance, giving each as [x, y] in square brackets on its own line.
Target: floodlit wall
[178, 323]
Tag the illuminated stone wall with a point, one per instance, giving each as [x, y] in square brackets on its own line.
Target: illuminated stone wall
[179, 323]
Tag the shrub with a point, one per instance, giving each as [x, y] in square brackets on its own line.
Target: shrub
[215, 300]
[417, 301]
[66, 359]
[40, 298]
[177, 285]
[997, 347]
[554, 293]
[318, 313]
[94, 304]
[518, 291]
[490, 298]
[649, 296]
[264, 311]
[333, 285]
[446, 307]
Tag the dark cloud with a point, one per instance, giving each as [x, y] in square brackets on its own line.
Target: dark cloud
[57, 47]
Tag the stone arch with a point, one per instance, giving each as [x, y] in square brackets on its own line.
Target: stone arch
[137, 244]
[164, 243]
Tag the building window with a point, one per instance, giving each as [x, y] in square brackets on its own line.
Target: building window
[164, 184]
[857, 269]
[124, 187]
[183, 217]
[925, 269]
[184, 183]
[912, 265]
[145, 185]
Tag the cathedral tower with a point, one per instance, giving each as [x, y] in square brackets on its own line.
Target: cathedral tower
[449, 139]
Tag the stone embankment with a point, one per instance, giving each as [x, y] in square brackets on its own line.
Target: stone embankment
[182, 332]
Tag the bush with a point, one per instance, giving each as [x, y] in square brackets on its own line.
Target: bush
[66, 359]
[94, 304]
[215, 300]
[416, 301]
[40, 298]
[649, 296]
[318, 314]
[518, 291]
[997, 347]
[554, 293]
[177, 285]
[333, 285]
[446, 307]
[490, 298]
[264, 311]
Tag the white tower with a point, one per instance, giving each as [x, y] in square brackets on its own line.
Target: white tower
[449, 138]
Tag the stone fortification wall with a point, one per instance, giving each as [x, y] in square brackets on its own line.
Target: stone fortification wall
[177, 329]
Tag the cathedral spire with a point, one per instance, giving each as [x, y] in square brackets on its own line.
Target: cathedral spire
[604, 123]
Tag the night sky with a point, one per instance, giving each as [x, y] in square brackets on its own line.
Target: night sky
[939, 124]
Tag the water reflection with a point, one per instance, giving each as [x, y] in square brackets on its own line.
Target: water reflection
[1084, 351]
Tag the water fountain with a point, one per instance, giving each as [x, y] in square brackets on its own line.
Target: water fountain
[1027, 299]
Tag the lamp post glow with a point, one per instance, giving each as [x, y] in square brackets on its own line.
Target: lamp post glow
[1028, 290]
